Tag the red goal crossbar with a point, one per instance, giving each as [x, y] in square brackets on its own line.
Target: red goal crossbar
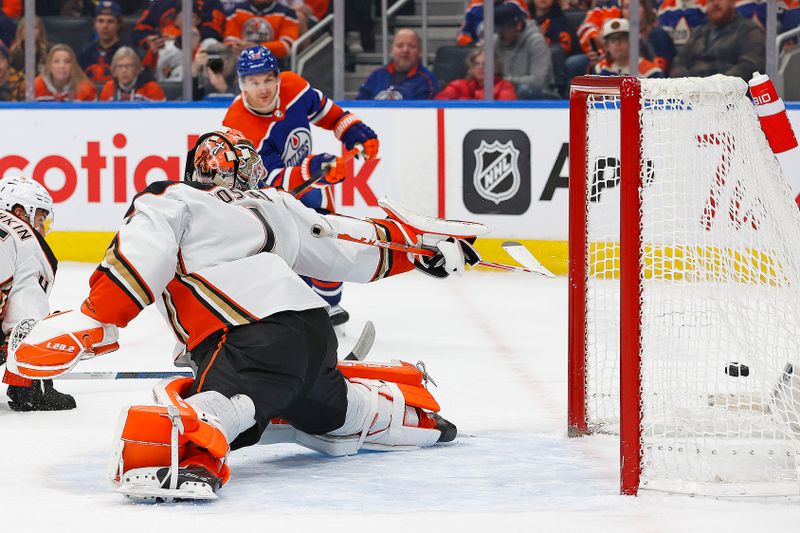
[628, 89]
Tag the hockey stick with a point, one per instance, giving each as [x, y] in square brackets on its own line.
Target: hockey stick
[348, 155]
[364, 343]
[524, 257]
[319, 231]
[359, 352]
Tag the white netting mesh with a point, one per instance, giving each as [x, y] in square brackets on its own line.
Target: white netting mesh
[721, 291]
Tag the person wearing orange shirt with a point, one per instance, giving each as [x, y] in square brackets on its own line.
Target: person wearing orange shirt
[471, 87]
[62, 79]
[130, 83]
[262, 22]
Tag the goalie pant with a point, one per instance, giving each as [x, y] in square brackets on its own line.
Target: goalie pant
[285, 363]
[27, 271]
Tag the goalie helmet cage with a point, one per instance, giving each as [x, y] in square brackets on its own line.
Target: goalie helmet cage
[684, 290]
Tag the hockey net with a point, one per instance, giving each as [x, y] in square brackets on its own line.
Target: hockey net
[685, 287]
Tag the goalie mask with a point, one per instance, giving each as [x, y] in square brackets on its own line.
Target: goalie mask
[225, 158]
[31, 195]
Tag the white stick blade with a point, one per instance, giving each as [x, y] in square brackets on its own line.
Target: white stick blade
[524, 257]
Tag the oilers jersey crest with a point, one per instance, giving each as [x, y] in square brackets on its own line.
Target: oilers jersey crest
[283, 137]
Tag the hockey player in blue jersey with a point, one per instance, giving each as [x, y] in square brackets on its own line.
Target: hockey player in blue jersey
[275, 111]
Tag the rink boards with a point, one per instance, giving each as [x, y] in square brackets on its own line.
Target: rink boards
[504, 164]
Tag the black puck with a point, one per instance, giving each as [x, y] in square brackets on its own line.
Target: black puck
[736, 370]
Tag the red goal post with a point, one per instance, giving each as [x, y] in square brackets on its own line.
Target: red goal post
[628, 90]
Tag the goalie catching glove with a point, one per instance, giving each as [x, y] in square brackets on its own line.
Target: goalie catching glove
[54, 345]
[450, 241]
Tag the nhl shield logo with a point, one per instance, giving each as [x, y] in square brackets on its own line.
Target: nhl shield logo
[496, 176]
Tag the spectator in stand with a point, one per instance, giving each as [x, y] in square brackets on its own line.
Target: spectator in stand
[472, 27]
[7, 30]
[12, 8]
[308, 12]
[590, 32]
[169, 66]
[12, 82]
[95, 57]
[657, 45]
[525, 54]
[404, 78]
[729, 44]
[471, 88]
[62, 79]
[18, 48]
[262, 22]
[158, 22]
[617, 49]
[590, 38]
[680, 17]
[213, 71]
[555, 27]
[130, 83]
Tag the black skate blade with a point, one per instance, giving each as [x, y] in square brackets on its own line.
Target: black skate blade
[448, 429]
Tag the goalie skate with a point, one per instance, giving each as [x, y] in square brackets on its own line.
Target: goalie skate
[152, 484]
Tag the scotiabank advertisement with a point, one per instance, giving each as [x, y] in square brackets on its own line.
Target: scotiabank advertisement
[502, 166]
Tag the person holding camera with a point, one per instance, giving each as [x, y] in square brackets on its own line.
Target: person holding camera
[213, 70]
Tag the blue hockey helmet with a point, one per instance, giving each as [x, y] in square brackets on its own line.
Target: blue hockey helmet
[257, 60]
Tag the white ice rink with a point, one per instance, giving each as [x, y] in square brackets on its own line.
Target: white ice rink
[495, 344]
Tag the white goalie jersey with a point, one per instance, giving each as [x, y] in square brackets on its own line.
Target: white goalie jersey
[214, 258]
[27, 272]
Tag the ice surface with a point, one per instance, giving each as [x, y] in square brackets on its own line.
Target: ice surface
[495, 344]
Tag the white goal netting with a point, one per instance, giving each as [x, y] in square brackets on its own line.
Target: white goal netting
[720, 301]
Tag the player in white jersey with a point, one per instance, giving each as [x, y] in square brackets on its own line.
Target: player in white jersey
[27, 272]
[221, 262]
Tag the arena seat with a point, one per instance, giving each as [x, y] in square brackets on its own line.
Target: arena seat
[575, 17]
[450, 64]
[76, 32]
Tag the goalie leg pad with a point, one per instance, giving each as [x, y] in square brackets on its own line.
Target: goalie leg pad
[169, 451]
[378, 418]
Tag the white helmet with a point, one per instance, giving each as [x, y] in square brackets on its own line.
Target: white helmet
[20, 190]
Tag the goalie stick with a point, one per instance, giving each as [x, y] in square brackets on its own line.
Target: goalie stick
[524, 257]
[359, 352]
[531, 266]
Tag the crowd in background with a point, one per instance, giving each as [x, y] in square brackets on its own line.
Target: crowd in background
[538, 48]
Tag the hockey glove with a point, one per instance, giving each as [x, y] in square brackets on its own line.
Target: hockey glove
[54, 345]
[324, 169]
[452, 255]
[450, 240]
[351, 131]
